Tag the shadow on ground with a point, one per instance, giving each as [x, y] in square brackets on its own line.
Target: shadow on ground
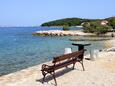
[58, 74]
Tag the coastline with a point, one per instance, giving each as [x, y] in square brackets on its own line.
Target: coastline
[99, 72]
[67, 33]
[61, 33]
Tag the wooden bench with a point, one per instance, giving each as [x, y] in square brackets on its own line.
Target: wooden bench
[62, 61]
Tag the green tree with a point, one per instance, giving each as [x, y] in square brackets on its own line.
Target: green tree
[65, 27]
[96, 27]
[111, 21]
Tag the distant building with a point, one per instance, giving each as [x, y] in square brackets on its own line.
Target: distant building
[85, 23]
[79, 26]
[104, 22]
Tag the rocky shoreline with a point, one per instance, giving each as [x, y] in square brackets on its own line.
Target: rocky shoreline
[60, 33]
[68, 33]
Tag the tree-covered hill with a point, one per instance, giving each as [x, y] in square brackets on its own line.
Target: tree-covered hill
[98, 26]
[111, 21]
[78, 21]
[66, 22]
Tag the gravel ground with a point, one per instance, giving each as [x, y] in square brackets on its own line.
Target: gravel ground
[100, 72]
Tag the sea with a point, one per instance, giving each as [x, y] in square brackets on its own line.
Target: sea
[19, 49]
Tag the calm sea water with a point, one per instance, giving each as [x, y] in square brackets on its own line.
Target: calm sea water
[19, 49]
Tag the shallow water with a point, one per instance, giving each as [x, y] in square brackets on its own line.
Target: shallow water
[19, 49]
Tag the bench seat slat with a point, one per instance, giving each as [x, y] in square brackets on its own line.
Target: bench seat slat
[67, 56]
[61, 65]
[64, 64]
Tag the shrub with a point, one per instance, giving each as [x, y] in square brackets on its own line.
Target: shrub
[96, 28]
[65, 28]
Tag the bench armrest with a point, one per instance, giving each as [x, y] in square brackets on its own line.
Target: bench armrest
[45, 67]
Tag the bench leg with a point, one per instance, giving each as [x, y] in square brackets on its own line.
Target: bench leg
[82, 66]
[54, 78]
[44, 74]
[73, 66]
[66, 66]
[43, 78]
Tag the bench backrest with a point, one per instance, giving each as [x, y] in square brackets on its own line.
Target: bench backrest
[75, 54]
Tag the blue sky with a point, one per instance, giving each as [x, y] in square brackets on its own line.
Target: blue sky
[35, 12]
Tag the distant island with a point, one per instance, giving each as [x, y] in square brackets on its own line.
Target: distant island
[98, 26]
[78, 22]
